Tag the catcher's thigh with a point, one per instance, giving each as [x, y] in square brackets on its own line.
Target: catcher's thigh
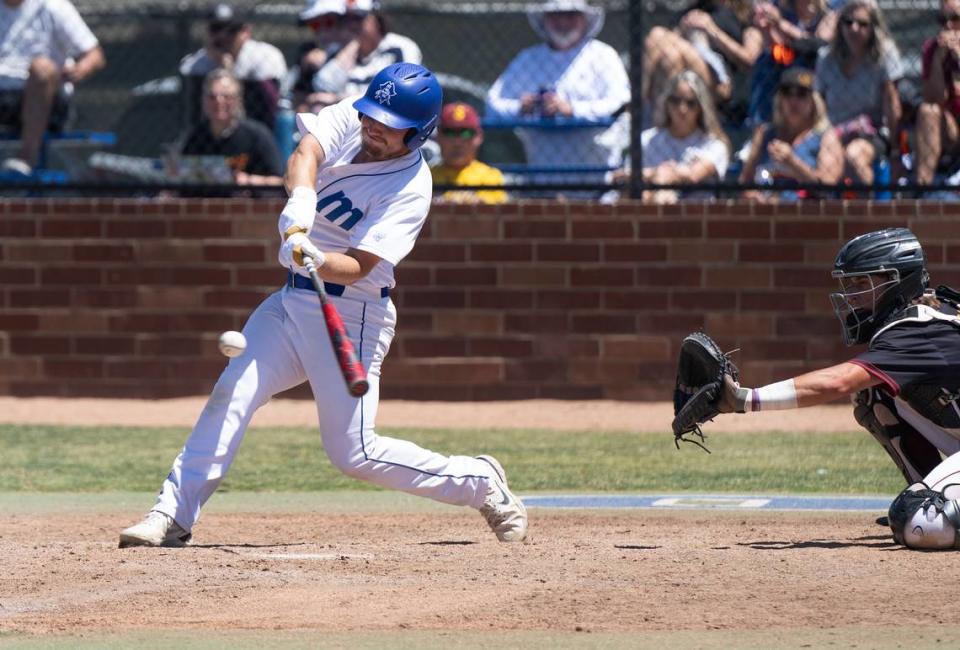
[914, 455]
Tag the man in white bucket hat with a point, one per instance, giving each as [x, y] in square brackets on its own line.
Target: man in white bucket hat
[570, 75]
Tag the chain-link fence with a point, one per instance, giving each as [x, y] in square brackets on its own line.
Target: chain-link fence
[660, 99]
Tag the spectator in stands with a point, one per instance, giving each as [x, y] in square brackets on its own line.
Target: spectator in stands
[248, 146]
[938, 115]
[352, 43]
[711, 37]
[259, 66]
[854, 79]
[460, 137]
[798, 146]
[569, 75]
[45, 48]
[687, 146]
[793, 32]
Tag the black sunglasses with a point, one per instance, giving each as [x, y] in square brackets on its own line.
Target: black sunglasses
[674, 100]
[220, 28]
[795, 91]
[862, 24]
[464, 134]
[945, 19]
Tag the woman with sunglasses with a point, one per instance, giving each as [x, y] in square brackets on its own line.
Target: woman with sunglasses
[687, 146]
[799, 146]
[856, 79]
[939, 114]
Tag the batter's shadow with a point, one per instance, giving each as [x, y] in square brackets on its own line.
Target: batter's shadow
[868, 541]
[228, 548]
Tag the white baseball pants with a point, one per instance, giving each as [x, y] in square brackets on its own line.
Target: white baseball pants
[287, 343]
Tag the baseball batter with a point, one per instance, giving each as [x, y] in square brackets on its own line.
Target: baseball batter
[359, 191]
[906, 384]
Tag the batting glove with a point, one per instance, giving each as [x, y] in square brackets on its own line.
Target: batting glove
[295, 247]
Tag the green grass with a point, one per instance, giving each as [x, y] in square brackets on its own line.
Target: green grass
[97, 459]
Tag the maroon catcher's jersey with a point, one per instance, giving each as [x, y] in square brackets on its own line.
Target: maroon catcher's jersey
[917, 359]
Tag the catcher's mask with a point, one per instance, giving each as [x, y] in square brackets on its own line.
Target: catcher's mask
[880, 273]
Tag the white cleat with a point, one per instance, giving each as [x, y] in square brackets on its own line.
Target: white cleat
[156, 529]
[504, 512]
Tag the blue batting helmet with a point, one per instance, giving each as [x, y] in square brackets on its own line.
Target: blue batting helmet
[404, 96]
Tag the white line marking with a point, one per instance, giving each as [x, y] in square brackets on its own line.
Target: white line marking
[311, 556]
[709, 502]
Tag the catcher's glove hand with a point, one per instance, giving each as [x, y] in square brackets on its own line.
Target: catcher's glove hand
[706, 385]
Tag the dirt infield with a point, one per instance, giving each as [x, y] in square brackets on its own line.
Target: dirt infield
[334, 576]
[612, 572]
[528, 414]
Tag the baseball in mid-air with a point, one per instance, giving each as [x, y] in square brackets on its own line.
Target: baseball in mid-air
[232, 344]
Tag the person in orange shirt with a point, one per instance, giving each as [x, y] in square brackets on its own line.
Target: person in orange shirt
[460, 136]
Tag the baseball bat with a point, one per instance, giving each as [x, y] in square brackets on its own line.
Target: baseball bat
[351, 369]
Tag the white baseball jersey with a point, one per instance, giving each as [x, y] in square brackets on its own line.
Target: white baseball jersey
[377, 207]
[51, 28]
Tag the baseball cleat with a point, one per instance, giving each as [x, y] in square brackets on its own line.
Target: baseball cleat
[504, 512]
[156, 529]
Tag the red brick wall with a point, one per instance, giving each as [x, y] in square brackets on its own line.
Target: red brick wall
[106, 297]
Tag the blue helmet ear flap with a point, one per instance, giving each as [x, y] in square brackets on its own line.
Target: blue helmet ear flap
[423, 133]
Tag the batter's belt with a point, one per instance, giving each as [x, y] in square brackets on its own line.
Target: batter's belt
[297, 281]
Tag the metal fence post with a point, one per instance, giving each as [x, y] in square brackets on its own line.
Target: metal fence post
[636, 99]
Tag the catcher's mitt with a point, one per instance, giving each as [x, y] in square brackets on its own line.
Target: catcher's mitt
[699, 389]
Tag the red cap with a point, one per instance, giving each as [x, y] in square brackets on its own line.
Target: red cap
[459, 116]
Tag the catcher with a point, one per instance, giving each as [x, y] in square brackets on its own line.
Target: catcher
[905, 385]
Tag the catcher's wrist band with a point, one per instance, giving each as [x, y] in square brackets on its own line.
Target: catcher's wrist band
[773, 397]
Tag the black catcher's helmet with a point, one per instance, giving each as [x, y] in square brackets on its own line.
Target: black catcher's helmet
[880, 273]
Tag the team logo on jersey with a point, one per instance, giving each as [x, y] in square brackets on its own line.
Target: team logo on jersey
[340, 206]
[385, 92]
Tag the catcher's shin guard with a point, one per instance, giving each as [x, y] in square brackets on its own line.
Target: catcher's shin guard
[913, 454]
[924, 518]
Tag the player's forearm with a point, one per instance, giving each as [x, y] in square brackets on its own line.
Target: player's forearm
[301, 170]
[340, 268]
[812, 389]
[830, 384]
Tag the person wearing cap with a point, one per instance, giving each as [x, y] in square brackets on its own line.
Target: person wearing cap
[793, 32]
[573, 75]
[460, 137]
[352, 42]
[259, 66]
[45, 49]
[799, 145]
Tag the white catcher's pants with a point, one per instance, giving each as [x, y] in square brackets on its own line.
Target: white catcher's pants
[287, 343]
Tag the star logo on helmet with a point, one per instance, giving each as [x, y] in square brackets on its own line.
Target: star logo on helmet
[385, 92]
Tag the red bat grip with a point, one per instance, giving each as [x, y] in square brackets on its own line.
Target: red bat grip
[350, 365]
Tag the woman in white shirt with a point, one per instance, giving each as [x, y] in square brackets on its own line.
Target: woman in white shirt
[687, 145]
